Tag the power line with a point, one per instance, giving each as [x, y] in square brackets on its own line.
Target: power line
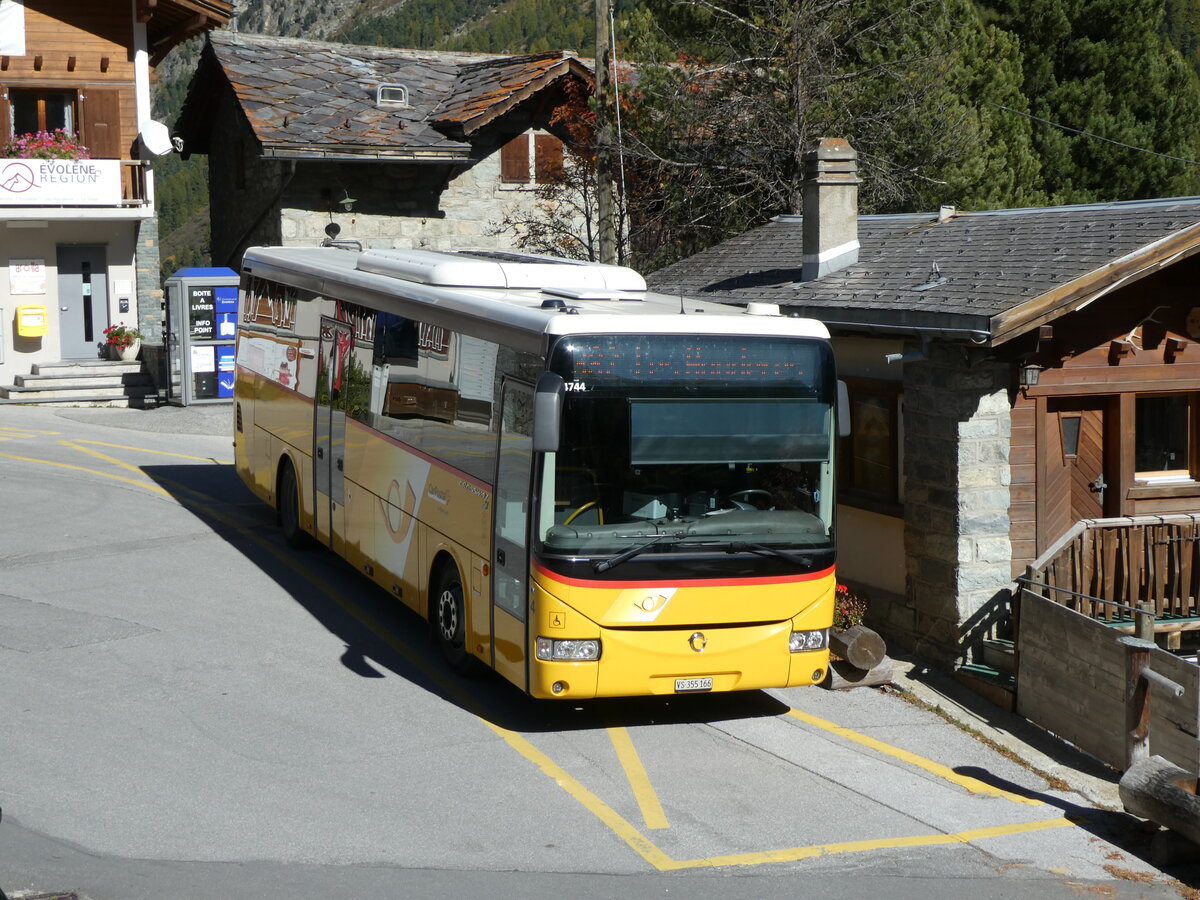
[1190, 162]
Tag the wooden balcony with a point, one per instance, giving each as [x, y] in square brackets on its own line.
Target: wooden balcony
[86, 183]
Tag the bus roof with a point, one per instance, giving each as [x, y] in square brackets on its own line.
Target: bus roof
[517, 298]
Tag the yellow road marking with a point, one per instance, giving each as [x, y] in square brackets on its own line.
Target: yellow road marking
[974, 785]
[46, 462]
[645, 848]
[638, 842]
[639, 781]
[25, 432]
[105, 457]
[930, 840]
[145, 450]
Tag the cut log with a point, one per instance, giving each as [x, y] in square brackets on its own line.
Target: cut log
[1155, 789]
[842, 675]
[859, 646]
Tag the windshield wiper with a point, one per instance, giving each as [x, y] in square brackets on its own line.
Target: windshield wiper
[629, 553]
[766, 550]
[683, 540]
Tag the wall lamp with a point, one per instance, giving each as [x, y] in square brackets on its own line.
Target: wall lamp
[1029, 375]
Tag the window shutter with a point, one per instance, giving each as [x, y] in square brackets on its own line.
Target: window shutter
[5, 114]
[100, 121]
[548, 158]
[514, 160]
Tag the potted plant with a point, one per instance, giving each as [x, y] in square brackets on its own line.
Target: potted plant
[57, 144]
[123, 341]
[849, 609]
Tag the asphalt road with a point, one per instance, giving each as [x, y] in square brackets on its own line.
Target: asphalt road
[191, 709]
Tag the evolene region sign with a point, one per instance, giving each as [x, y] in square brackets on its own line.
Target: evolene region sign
[60, 182]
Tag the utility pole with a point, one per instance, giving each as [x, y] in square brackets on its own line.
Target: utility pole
[605, 205]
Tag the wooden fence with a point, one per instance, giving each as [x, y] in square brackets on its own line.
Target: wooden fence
[1131, 561]
[1072, 680]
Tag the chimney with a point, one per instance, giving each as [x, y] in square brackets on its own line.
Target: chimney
[830, 207]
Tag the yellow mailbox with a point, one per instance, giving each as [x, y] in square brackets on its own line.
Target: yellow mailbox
[32, 320]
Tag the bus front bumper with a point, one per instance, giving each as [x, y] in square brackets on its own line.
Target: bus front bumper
[653, 661]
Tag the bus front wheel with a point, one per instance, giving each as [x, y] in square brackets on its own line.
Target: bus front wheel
[450, 622]
[288, 504]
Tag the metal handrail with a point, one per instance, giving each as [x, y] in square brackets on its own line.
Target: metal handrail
[1026, 582]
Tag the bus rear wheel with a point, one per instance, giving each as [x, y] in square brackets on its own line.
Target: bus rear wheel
[288, 503]
[450, 622]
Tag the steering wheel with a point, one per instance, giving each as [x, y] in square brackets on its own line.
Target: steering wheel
[746, 494]
[571, 518]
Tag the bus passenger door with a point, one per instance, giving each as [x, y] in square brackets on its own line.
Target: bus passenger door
[329, 434]
[510, 557]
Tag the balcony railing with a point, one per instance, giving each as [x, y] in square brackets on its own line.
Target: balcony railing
[84, 183]
[1153, 560]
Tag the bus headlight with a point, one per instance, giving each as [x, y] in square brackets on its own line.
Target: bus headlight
[569, 650]
[817, 639]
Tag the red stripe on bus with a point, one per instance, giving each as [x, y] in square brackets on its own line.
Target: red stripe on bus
[681, 582]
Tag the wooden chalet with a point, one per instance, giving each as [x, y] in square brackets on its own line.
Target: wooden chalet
[79, 233]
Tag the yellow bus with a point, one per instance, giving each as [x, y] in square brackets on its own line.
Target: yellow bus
[595, 490]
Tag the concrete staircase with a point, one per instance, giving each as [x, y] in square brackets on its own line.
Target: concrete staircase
[83, 383]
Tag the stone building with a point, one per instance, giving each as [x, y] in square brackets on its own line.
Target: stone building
[395, 148]
[1010, 372]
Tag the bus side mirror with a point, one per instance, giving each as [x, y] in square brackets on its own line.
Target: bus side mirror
[547, 412]
[843, 410]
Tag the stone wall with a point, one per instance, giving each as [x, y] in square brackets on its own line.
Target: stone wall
[149, 294]
[956, 471]
[399, 206]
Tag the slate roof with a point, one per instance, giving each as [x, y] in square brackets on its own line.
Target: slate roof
[306, 99]
[997, 273]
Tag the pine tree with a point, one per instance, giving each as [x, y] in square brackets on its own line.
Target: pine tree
[1181, 25]
[1104, 67]
[718, 138]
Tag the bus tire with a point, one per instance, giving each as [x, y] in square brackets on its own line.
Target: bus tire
[287, 502]
[449, 618]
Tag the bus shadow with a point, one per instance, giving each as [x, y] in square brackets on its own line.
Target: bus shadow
[381, 635]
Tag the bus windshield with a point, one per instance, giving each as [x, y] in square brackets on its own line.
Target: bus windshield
[674, 443]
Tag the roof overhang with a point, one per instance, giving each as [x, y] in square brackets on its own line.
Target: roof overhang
[905, 322]
[566, 67]
[171, 22]
[371, 154]
[1077, 294]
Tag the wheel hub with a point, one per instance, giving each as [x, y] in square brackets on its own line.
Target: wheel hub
[448, 616]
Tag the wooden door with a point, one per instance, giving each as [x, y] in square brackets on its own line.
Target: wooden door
[100, 116]
[1072, 480]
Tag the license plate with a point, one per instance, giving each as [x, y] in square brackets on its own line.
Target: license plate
[684, 685]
